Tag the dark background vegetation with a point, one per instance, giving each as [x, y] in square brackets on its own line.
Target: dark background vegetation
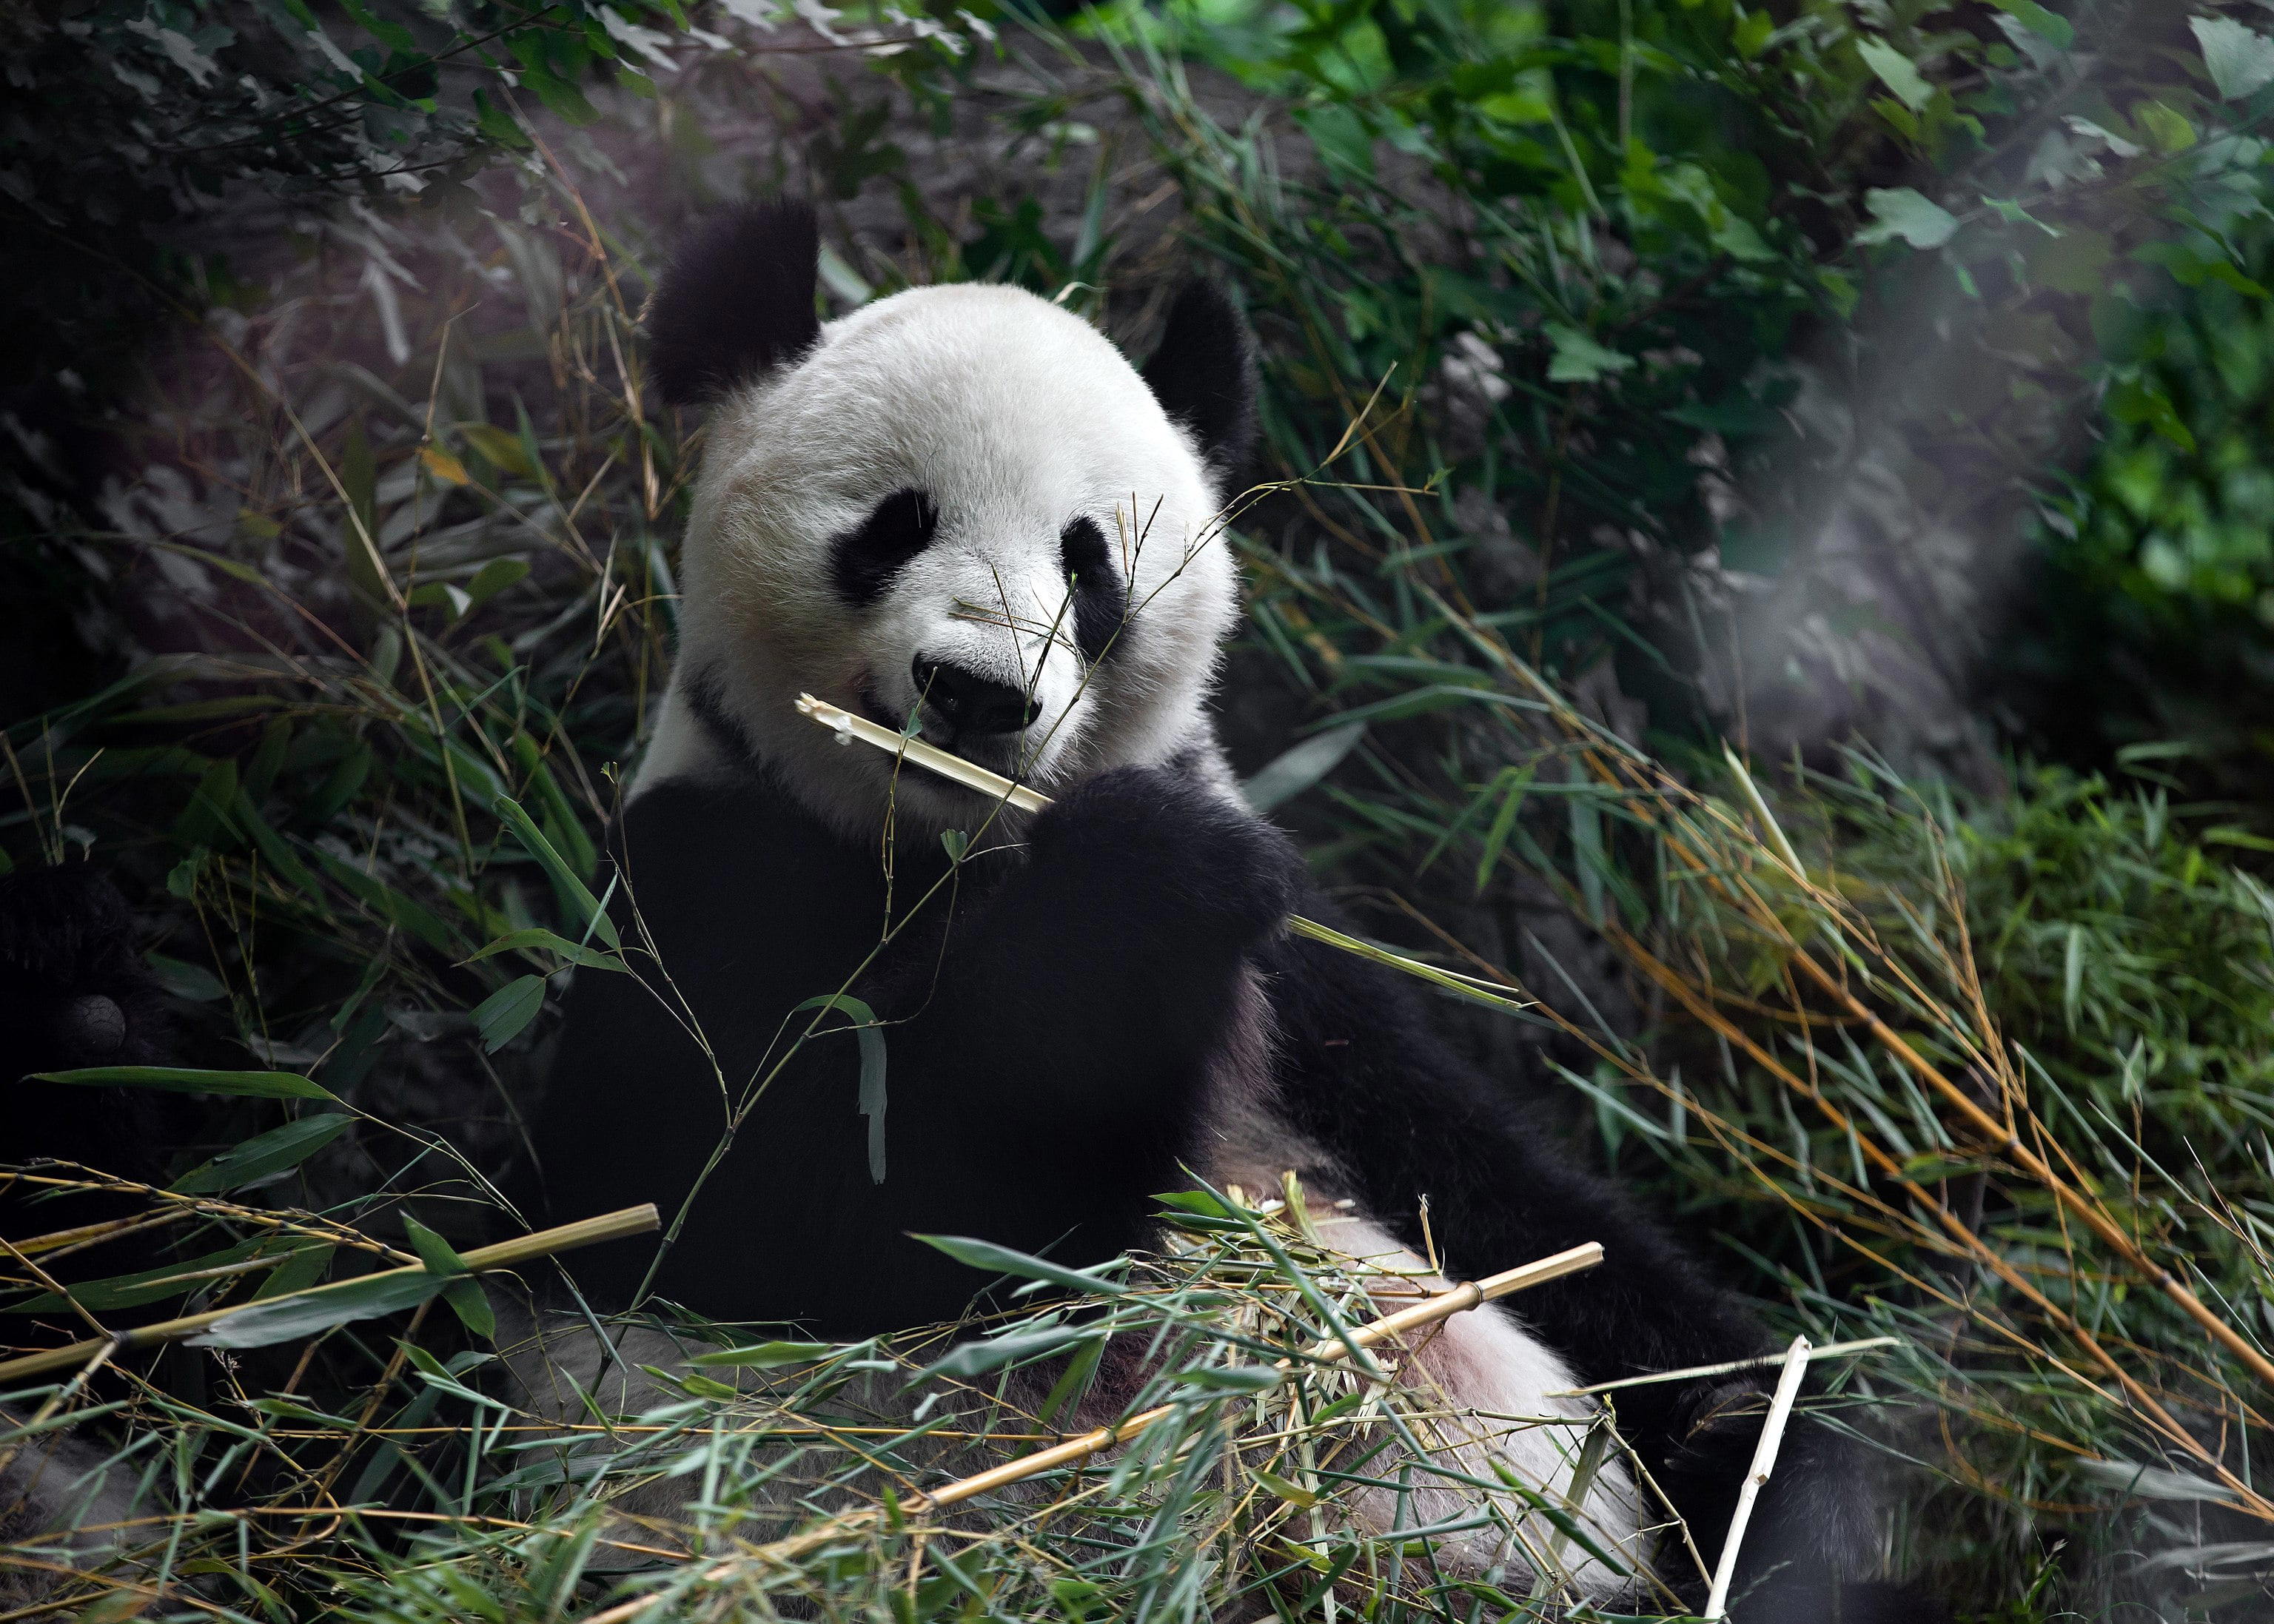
[1884, 388]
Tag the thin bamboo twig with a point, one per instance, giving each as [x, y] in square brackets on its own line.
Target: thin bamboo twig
[483, 1259]
[847, 726]
[1426, 1313]
[1830, 1350]
[1765, 1454]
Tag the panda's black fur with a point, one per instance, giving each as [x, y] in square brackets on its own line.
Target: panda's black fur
[1071, 1023]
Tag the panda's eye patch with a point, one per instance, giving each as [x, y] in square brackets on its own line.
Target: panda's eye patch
[865, 561]
[1101, 602]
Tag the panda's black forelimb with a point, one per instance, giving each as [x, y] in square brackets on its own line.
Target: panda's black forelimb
[76, 992]
[1048, 1035]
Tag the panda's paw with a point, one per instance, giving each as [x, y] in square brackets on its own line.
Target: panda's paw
[1158, 839]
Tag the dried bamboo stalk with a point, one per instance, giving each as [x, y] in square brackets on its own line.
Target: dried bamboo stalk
[543, 1243]
[847, 726]
[1443, 1306]
[1765, 1454]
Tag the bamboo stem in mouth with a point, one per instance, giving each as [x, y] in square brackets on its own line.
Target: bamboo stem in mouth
[847, 726]
[1443, 1306]
[505, 1254]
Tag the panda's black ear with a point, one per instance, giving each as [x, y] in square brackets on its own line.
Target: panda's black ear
[1203, 374]
[735, 302]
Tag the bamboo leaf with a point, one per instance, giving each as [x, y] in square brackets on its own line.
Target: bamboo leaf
[276, 1151]
[502, 1016]
[870, 1032]
[186, 1079]
[593, 917]
[1002, 1260]
[291, 1319]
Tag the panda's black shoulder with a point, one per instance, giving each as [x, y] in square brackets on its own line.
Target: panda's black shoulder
[75, 992]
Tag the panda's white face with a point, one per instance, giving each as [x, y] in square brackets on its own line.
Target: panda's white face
[962, 511]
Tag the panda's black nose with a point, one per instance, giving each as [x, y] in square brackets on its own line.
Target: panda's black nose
[969, 702]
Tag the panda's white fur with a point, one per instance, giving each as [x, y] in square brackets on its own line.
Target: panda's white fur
[1017, 417]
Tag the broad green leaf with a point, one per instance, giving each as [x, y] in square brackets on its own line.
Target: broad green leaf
[551, 941]
[493, 578]
[564, 878]
[1897, 72]
[471, 1304]
[2047, 26]
[1579, 358]
[1293, 1493]
[150, 1285]
[289, 1318]
[187, 1080]
[302, 1267]
[1341, 138]
[2240, 60]
[767, 1355]
[1899, 211]
[439, 1255]
[285, 1410]
[501, 1017]
[870, 1032]
[267, 1154]
[976, 1358]
[1002, 1260]
[1295, 770]
[2166, 130]
[191, 983]
[1232, 1377]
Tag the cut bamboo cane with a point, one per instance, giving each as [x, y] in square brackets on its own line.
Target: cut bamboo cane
[1765, 1454]
[483, 1259]
[849, 727]
[1075, 1450]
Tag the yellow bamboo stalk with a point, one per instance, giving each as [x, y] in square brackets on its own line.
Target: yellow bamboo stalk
[543, 1243]
[1443, 1306]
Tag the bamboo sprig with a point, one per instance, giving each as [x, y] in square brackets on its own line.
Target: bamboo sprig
[1684, 840]
[1430, 1312]
[847, 726]
[483, 1259]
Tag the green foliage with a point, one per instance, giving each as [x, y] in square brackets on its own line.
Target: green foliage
[1548, 293]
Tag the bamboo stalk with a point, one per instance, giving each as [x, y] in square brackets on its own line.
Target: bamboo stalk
[1765, 1454]
[1443, 1306]
[847, 726]
[505, 1254]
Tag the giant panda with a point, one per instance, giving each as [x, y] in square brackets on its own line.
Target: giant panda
[962, 511]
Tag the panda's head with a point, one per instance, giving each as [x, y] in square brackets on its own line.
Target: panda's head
[959, 507]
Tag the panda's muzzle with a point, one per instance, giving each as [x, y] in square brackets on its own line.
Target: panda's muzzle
[970, 704]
